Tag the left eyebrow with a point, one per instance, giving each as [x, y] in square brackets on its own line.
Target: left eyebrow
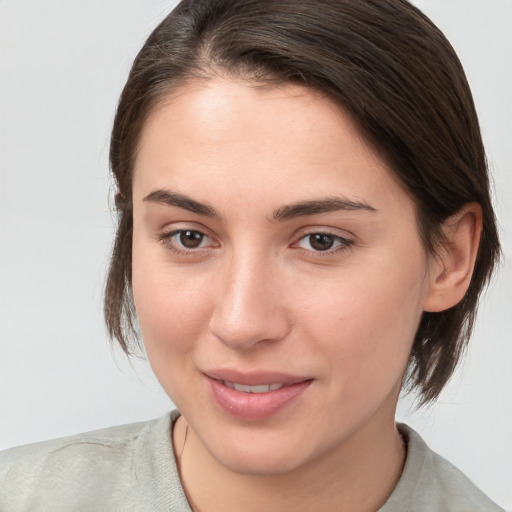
[330, 204]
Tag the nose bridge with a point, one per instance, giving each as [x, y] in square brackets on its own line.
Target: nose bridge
[249, 307]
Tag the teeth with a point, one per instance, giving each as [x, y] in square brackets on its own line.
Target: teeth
[242, 387]
[264, 388]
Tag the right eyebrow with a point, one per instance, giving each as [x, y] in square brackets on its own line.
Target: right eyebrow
[170, 198]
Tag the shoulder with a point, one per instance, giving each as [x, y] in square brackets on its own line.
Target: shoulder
[430, 483]
[100, 467]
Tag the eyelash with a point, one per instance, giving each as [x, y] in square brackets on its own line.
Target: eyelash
[166, 240]
[343, 243]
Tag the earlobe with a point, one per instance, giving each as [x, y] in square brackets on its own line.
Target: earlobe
[451, 271]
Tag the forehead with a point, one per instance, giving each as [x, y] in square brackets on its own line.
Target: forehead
[234, 137]
[222, 113]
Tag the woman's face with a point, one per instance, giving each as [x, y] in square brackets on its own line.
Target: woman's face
[278, 273]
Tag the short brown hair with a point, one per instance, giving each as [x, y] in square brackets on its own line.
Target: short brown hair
[391, 69]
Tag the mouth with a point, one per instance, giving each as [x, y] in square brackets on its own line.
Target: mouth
[245, 388]
[255, 396]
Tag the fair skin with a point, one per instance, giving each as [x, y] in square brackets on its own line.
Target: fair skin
[234, 282]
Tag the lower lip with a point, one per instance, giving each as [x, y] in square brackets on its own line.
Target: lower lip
[255, 406]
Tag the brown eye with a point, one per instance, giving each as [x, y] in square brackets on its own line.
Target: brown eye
[190, 239]
[187, 242]
[321, 241]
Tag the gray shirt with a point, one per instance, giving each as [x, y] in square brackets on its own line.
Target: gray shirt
[132, 468]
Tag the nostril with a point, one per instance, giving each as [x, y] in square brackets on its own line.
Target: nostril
[245, 331]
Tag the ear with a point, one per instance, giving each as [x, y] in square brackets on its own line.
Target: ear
[451, 270]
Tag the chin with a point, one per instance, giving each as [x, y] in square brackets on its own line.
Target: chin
[262, 463]
[258, 455]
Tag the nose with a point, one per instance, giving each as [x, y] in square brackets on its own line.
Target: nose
[250, 306]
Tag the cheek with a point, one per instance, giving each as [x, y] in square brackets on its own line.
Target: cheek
[171, 321]
[168, 314]
[365, 325]
[172, 313]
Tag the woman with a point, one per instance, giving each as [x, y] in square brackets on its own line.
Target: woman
[305, 228]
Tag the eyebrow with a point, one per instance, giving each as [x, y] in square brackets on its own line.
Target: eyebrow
[169, 198]
[292, 211]
[314, 207]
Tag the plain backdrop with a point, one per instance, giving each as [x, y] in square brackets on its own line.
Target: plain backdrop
[62, 66]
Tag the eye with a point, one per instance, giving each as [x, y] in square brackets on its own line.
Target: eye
[189, 238]
[323, 242]
[186, 240]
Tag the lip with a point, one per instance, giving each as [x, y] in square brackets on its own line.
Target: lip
[254, 406]
[254, 378]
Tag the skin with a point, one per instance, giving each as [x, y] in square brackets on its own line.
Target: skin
[256, 295]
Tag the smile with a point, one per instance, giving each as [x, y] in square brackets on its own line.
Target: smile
[256, 396]
[264, 388]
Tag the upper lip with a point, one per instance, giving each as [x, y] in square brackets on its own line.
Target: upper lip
[254, 378]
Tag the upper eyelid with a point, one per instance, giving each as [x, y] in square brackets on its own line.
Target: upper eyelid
[172, 229]
[336, 232]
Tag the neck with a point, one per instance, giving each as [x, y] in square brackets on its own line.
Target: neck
[357, 476]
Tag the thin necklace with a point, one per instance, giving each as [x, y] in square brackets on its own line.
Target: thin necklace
[191, 503]
[184, 441]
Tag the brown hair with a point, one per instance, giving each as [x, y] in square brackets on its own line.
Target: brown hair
[388, 65]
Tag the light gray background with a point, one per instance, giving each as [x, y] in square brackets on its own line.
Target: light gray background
[63, 63]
